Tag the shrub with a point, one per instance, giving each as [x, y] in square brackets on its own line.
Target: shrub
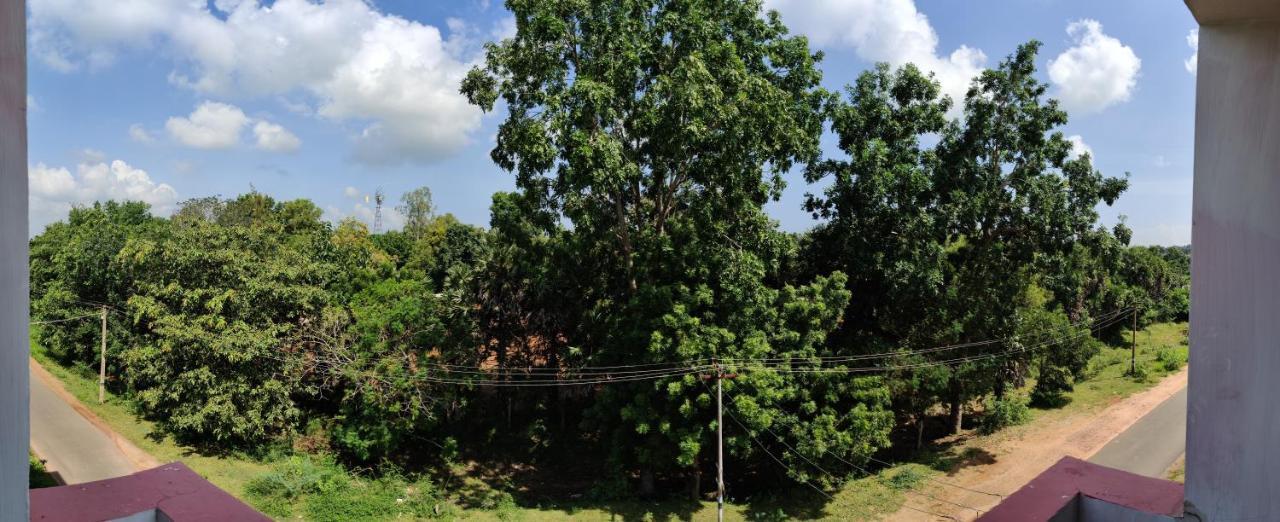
[1170, 359]
[1139, 373]
[1051, 387]
[323, 491]
[906, 478]
[1004, 413]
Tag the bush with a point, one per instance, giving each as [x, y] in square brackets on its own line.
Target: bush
[1170, 359]
[1051, 387]
[907, 478]
[322, 490]
[1002, 414]
[1139, 373]
[297, 476]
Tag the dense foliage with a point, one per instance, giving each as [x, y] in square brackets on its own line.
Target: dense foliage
[646, 137]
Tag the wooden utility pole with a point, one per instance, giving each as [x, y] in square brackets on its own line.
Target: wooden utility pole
[719, 376]
[102, 361]
[1133, 346]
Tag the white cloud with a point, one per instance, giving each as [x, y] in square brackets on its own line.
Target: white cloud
[351, 192]
[1193, 41]
[54, 190]
[892, 31]
[32, 104]
[396, 79]
[274, 138]
[1097, 72]
[1079, 147]
[211, 125]
[139, 134]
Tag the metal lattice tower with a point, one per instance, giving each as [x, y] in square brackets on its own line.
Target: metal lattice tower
[378, 197]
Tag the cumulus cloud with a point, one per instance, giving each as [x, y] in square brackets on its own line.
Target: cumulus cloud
[351, 192]
[274, 138]
[891, 31]
[1193, 41]
[1096, 72]
[140, 134]
[1079, 147]
[54, 190]
[395, 79]
[211, 125]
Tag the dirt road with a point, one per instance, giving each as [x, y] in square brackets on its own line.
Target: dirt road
[76, 445]
[1009, 460]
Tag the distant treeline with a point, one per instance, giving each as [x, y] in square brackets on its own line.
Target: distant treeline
[645, 144]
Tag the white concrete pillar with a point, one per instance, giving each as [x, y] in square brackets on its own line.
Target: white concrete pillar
[13, 261]
[1233, 417]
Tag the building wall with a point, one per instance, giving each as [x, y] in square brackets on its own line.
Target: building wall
[1233, 417]
[13, 262]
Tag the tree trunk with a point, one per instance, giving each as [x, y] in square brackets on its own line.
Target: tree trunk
[920, 431]
[695, 492]
[646, 483]
[957, 404]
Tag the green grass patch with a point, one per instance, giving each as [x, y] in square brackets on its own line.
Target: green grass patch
[37, 476]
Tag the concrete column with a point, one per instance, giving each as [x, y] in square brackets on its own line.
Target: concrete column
[1233, 417]
[13, 261]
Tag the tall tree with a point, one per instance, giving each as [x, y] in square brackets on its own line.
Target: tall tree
[882, 224]
[658, 129]
[1011, 195]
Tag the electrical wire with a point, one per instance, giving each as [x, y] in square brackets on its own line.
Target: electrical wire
[55, 321]
[568, 378]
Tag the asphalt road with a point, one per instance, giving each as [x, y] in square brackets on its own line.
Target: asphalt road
[1153, 443]
[74, 449]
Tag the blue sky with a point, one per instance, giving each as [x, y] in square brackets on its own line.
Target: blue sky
[167, 100]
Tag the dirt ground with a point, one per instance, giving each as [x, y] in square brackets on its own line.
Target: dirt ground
[1003, 463]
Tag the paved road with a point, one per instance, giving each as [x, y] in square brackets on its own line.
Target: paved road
[74, 448]
[1153, 443]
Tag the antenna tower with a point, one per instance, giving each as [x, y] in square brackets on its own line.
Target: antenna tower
[378, 197]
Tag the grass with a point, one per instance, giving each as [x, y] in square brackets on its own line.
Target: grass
[1159, 347]
[1178, 471]
[310, 489]
[37, 476]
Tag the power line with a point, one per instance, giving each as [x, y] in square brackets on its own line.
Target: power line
[706, 362]
[598, 376]
[55, 321]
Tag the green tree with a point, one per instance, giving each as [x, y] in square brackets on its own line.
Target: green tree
[1011, 196]
[656, 130]
[211, 309]
[75, 270]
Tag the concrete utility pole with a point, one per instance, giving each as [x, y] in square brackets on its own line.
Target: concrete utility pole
[719, 376]
[102, 361]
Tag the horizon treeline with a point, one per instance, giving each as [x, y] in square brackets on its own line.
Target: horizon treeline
[645, 142]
